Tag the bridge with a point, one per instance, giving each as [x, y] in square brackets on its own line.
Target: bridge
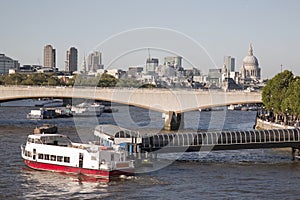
[222, 140]
[138, 143]
[172, 102]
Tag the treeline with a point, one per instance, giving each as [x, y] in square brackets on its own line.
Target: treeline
[39, 79]
[281, 95]
[44, 79]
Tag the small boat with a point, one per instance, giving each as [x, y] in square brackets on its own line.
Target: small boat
[57, 153]
[87, 109]
[45, 128]
[235, 107]
[42, 113]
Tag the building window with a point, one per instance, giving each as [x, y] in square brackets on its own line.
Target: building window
[67, 159]
[59, 158]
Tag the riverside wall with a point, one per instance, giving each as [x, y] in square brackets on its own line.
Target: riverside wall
[264, 125]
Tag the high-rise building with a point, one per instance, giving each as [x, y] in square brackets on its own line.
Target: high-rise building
[174, 61]
[71, 60]
[95, 61]
[151, 65]
[6, 64]
[49, 56]
[230, 63]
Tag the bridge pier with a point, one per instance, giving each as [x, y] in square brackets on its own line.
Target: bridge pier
[173, 121]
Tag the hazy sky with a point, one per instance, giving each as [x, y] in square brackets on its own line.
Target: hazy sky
[221, 27]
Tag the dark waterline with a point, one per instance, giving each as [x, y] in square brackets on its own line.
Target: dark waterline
[245, 174]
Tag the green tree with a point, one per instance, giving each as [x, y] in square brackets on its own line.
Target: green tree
[292, 101]
[275, 92]
[14, 79]
[107, 80]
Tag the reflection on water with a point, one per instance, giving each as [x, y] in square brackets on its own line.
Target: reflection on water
[249, 174]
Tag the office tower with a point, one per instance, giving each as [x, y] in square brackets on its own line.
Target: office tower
[49, 56]
[151, 65]
[230, 63]
[71, 60]
[174, 61]
[95, 61]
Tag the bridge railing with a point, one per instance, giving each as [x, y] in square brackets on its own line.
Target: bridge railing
[221, 138]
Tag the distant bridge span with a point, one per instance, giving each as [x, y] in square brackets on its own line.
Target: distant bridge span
[162, 100]
[173, 102]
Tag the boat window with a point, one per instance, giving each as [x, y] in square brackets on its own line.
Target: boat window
[46, 157]
[53, 158]
[59, 158]
[40, 156]
[29, 153]
[26, 153]
[30, 140]
[67, 159]
[37, 141]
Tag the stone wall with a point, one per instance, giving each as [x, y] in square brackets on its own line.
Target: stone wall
[260, 124]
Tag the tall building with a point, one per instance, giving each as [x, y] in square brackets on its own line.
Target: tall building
[230, 63]
[83, 65]
[95, 61]
[134, 72]
[49, 56]
[7, 63]
[151, 65]
[175, 61]
[250, 70]
[71, 60]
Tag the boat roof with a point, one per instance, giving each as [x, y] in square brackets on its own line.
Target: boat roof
[115, 131]
[38, 136]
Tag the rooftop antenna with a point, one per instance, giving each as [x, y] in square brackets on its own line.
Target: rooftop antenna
[149, 53]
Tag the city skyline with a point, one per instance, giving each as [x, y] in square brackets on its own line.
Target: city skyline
[222, 28]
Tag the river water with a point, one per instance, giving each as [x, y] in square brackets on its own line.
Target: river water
[242, 174]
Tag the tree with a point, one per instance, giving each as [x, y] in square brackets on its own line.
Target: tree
[274, 94]
[292, 101]
[107, 80]
[14, 79]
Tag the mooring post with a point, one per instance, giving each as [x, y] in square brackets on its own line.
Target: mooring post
[293, 153]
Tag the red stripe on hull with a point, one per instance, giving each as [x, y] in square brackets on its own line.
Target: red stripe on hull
[104, 174]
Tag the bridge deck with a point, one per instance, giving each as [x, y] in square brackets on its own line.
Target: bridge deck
[222, 140]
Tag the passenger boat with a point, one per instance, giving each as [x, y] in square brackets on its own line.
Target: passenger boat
[87, 109]
[57, 153]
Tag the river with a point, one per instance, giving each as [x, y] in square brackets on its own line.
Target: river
[242, 174]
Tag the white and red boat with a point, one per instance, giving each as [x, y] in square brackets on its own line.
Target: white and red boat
[57, 153]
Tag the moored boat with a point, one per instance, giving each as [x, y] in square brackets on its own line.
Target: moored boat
[57, 153]
[87, 109]
[45, 128]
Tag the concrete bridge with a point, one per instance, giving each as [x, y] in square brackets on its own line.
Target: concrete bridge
[172, 102]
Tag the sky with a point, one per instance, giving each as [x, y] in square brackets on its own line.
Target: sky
[203, 32]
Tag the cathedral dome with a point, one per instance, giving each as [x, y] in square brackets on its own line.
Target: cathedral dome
[250, 60]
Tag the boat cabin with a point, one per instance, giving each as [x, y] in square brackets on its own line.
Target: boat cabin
[50, 139]
[109, 135]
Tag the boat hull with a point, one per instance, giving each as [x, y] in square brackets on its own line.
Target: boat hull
[101, 174]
